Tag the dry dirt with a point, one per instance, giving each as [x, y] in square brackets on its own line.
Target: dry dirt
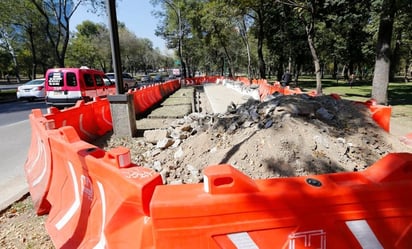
[284, 137]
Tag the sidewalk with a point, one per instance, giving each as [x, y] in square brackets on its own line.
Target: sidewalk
[220, 97]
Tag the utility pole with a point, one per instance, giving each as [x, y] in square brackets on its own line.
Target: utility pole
[115, 45]
[121, 105]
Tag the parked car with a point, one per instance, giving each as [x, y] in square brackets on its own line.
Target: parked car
[31, 90]
[128, 80]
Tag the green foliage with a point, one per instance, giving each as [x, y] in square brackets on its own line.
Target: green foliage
[90, 46]
[242, 37]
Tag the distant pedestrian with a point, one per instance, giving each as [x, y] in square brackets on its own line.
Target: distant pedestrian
[286, 78]
[8, 78]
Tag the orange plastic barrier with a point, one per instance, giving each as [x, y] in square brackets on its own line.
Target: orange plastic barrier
[100, 199]
[149, 96]
[371, 209]
[380, 114]
[244, 80]
[38, 164]
[90, 120]
[201, 80]
[146, 101]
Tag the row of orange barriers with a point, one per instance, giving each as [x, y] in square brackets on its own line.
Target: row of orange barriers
[100, 199]
[148, 96]
[90, 120]
[266, 89]
[380, 114]
[97, 199]
[201, 80]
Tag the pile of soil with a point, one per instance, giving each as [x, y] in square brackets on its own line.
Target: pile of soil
[284, 136]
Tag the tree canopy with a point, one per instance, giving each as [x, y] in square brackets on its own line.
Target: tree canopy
[338, 37]
[370, 39]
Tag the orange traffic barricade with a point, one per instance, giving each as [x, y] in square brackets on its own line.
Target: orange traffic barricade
[38, 164]
[370, 209]
[100, 199]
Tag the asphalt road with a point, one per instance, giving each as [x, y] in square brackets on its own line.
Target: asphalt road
[15, 134]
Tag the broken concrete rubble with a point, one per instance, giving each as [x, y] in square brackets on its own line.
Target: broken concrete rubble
[282, 136]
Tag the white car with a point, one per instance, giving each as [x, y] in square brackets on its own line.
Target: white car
[31, 90]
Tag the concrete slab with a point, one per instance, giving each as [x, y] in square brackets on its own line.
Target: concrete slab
[220, 97]
[174, 111]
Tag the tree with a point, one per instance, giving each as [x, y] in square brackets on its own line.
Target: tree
[243, 26]
[383, 53]
[308, 11]
[175, 27]
[260, 11]
[402, 40]
[56, 16]
[90, 47]
[343, 36]
[218, 27]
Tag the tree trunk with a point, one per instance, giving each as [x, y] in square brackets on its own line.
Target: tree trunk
[315, 62]
[335, 69]
[407, 66]
[261, 35]
[33, 53]
[243, 32]
[396, 54]
[383, 53]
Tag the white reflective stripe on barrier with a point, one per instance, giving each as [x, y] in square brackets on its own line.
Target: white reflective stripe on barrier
[125, 160]
[76, 202]
[104, 117]
[242, 240]
[364, 234]
[42, 151]
[102, 242]
[206, 184]
[84, 130]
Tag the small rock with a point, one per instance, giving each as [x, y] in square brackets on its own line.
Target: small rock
[178, 154]
[324, 114]
[157, 166]
[164, 143]
[152, 136]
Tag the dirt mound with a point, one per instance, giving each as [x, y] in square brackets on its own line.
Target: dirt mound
[282, 137]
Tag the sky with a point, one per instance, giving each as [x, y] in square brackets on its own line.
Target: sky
[135, 14]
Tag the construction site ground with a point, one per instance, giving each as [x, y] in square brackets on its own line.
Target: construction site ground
[285, 136]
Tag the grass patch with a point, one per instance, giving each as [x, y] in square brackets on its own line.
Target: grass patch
[399, 93]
